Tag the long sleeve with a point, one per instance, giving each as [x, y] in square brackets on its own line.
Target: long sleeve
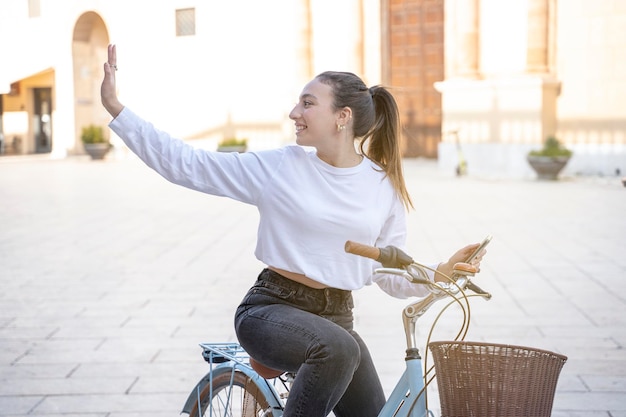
[238, 176]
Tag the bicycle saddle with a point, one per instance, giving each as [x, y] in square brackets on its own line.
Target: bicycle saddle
[264, 371]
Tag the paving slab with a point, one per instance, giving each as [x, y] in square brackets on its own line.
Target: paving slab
[110, 277]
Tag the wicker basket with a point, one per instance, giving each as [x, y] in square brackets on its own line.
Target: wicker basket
[482, 379]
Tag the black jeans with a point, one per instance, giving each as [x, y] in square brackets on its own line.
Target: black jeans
[290, 326]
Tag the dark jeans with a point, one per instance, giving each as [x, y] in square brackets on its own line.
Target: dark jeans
[289, 326]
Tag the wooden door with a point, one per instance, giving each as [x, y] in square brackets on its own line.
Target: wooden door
[413, 36]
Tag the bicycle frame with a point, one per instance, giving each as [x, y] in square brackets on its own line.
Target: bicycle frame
[408, 398]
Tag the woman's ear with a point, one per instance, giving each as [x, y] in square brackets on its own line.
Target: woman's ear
[344, 116]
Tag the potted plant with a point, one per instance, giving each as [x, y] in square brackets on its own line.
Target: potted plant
[550, 160]
[233, 145]
[94, 142]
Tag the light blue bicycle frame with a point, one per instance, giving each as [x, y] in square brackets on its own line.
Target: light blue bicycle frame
[408, 398]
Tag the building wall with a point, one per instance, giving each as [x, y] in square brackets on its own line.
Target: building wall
[520, 71]
[245, 66]
[591, 65]
[515, 71]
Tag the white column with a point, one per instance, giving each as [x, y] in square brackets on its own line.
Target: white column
[466, 39]
[537, 49]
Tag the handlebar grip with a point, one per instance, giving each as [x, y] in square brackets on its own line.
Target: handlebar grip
[463, 268]
[389, 256]
[362, 250]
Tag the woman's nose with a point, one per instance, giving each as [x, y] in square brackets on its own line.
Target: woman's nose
[294, 114]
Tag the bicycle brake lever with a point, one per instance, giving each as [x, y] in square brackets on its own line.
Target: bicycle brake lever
[392, 271]
[403, 273]
[475, 288]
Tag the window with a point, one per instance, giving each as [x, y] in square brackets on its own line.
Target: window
[186, 22]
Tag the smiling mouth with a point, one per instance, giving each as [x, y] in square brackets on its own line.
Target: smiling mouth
[300, 128]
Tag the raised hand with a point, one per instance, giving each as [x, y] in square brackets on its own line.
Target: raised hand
[108, 89]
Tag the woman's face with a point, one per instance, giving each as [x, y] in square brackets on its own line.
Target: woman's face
[316, 121]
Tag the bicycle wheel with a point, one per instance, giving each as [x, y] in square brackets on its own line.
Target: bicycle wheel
[241, 399]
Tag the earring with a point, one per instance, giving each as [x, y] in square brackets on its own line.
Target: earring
[340, 127]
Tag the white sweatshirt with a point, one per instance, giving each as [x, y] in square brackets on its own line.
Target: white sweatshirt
[308, 208]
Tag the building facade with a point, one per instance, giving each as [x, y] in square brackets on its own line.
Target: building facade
[487, 80]
[203, 71]
[520, 71]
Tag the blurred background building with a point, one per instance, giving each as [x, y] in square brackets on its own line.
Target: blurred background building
[485, 79]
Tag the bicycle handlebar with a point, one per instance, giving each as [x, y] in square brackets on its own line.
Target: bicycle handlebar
[389, 257]
[392, 257]
[399, 263]
[360, 249]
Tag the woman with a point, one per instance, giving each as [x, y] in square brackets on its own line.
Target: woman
[298, 315]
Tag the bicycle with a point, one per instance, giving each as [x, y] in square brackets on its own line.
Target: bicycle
[238, 386]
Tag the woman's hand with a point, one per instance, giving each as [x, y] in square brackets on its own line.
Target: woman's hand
[108, 89]
[460, 256]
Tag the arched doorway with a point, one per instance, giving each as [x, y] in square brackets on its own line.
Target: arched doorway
[89, 52]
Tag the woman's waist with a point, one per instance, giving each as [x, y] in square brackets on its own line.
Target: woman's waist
[272, 287]
[299, 278]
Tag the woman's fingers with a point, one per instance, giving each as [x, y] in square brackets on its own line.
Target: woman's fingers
[112, 56]
[110, 66]
[112, 59]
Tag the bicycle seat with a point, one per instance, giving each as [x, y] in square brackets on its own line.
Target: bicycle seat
[264, 371]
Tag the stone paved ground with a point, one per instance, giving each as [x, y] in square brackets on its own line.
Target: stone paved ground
[110, 277]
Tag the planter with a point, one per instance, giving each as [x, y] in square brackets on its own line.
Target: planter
[236, 148]
[97, 150]
[548, 167]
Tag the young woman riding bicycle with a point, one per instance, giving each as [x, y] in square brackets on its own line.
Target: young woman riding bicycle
[297, 317]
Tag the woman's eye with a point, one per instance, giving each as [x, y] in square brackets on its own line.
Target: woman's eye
[307, 103]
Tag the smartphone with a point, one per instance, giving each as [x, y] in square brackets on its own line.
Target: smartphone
[479, 249]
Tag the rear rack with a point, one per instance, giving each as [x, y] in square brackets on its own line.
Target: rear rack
[218, 353]
[215, 353]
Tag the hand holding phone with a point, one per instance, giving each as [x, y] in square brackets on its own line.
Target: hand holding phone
[479, 249]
